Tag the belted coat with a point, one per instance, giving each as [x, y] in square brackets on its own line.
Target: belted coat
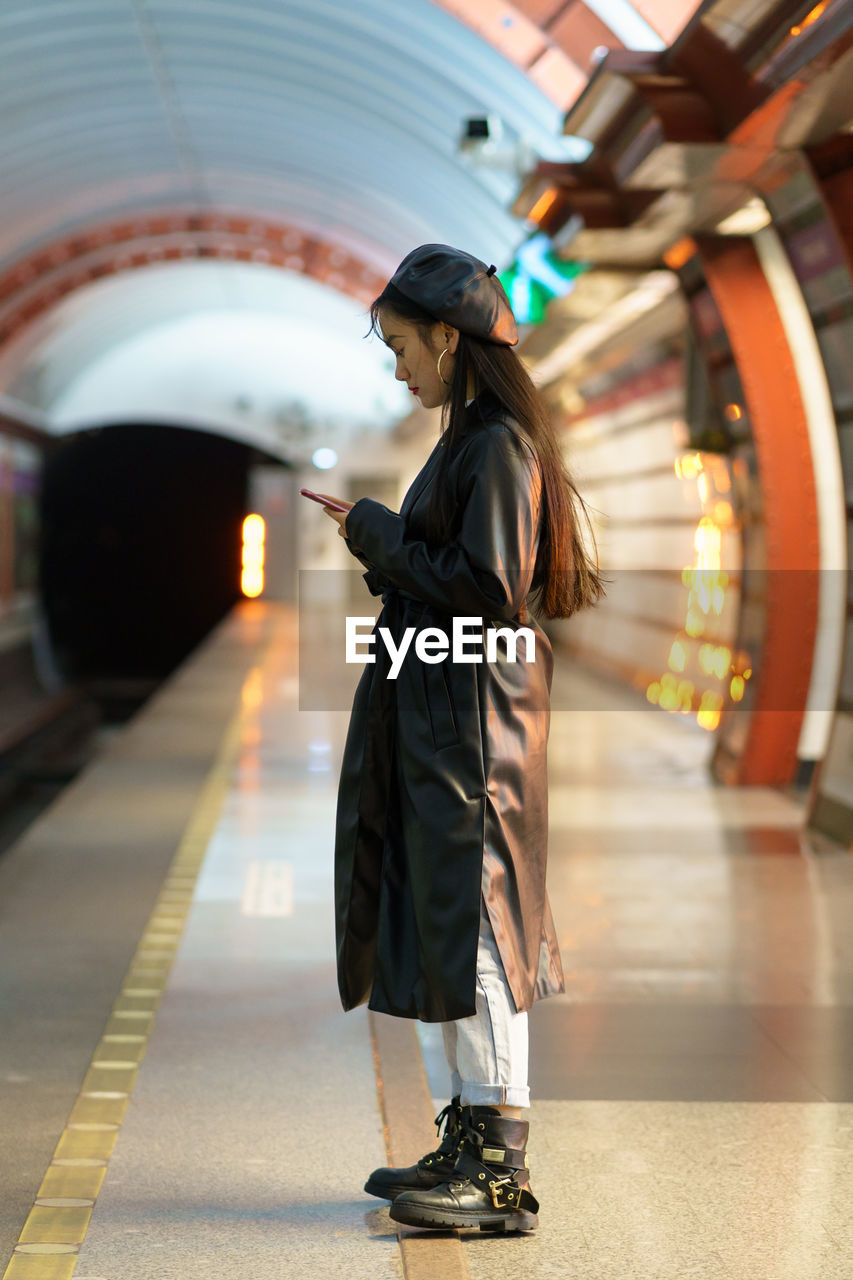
[443, 792]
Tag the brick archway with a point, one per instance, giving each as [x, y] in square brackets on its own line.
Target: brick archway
[36, 283]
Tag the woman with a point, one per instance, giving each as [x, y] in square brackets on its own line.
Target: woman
[442, 824]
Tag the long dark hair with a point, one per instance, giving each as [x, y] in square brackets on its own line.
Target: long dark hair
[568, 578]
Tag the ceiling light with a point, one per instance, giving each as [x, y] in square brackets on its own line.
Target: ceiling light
[324, 458]
[543, 205]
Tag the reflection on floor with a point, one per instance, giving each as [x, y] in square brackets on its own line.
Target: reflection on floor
[692, 1092]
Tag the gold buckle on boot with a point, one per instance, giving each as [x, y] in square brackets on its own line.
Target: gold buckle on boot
[496, 1186]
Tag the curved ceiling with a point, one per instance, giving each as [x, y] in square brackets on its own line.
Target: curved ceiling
[323, 114]
[319, 113]
[239, 348]
[326, 123]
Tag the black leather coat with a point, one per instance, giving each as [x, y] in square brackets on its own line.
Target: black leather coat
[443, 786]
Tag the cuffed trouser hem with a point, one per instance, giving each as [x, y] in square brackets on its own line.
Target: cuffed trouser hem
[495, 1095]
[487, 1052]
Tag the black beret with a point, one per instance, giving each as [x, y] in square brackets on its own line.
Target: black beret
[457, 287]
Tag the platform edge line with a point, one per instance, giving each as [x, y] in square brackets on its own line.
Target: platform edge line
[186, 862]
[407, 1111]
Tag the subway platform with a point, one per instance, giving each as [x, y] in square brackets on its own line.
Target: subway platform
[183, 1098]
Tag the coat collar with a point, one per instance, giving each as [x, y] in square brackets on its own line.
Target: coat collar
[482, 406]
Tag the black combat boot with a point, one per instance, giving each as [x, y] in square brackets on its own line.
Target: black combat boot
[490, 1186]
[430, 1169]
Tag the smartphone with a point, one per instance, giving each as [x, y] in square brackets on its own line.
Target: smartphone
[336, 506]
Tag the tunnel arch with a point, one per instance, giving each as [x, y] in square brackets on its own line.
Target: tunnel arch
[37, 282]
[296, 136]
[244, 346]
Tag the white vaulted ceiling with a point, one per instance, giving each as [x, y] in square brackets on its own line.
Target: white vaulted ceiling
[324, 115]
[336, 121]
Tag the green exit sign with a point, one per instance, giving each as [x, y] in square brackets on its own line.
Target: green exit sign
[536, 276]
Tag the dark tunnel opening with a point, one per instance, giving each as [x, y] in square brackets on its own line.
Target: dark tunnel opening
[140, 549]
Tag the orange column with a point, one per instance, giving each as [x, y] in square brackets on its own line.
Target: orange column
[792, 554]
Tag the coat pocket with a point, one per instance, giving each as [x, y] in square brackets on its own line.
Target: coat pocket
[439, 701]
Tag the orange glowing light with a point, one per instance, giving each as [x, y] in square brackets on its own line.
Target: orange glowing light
[543, 205]
[254, 533]
[809, 18]
[688, 466]
[715, 660]
[679, 253]
[670, 697]
[710, 708]
[684, 692]
[736, 688]
[677, 656]
[706, 583]
[252, 693]
[706, 541]
[733, 412]
[695, 623]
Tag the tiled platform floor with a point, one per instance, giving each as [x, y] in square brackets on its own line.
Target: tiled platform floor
[692, 1092]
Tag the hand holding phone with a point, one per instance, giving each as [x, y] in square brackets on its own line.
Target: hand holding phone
[326, 502]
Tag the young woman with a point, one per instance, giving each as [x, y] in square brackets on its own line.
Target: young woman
[442, 816]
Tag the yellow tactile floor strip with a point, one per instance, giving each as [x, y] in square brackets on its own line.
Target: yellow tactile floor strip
[407, 1110]
[51, 1237]
[50, 1240]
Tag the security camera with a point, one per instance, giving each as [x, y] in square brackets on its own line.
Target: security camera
[479, 132]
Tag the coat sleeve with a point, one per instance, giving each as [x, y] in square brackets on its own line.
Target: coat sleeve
[376, 581]
[487, 570]
[357, 553]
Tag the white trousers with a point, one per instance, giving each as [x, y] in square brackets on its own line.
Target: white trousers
[487, 1053]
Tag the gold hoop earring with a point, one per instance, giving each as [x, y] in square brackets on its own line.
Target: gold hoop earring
[446, 381]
